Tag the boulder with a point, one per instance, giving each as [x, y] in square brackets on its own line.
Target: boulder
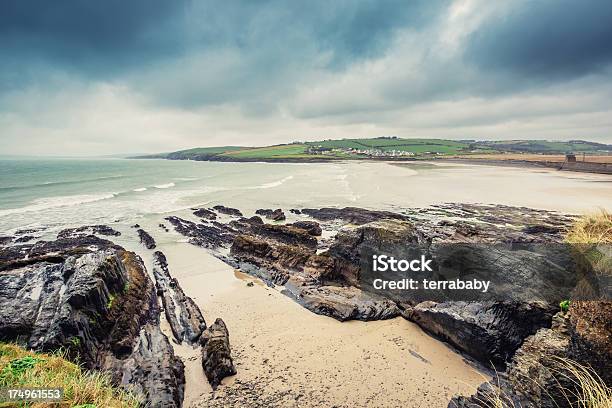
[275, 215]
[216, 353]
[340, 302]
[205, 213]
[312, 227]
[146, 239]
[227, 210]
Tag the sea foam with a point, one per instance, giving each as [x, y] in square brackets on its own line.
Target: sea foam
[56, 202]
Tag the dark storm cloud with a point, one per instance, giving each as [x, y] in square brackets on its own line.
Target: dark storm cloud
[94, 37]
[550, 39]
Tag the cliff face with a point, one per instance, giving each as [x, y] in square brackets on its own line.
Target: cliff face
[95, 300]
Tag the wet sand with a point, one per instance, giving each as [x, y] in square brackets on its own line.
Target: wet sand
[287, 356]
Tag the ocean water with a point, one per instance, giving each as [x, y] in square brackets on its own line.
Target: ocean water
[57, 193]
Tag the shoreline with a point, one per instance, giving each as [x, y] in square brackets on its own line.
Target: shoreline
[578, 167]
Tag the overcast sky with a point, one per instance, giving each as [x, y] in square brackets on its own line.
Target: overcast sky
[101, 77]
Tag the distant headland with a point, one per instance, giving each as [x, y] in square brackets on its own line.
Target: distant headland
[576, 155]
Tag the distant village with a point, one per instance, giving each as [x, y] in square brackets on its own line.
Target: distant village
[320, 150]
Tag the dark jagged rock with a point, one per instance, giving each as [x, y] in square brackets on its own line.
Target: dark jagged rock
[285, 234]
[227, 210]
[538, 375]
[24, 238]
[205, 213]
[136, 226]
[275, 215]
[266, 212]
[279, 260]
[216, 353]
[208, 236]
[351, 215]
[183, 315]
[146, 239]
[295, 211]
[94, 300]
[256, 220]
[88, 230]
[341, 302]
[312, 227]
[383, 236]
[489, 395]
[488, 331]
[29, 231]
[535, 374]
[590, 331]
[152, 370]
[163, 226]
[5, 240]
[489, 223]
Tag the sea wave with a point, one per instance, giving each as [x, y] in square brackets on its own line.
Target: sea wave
[138, 190]
[272, 184]
[167, 185]
[57, 202]
[59, 182]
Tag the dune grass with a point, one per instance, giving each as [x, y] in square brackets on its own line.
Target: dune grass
[592, 229]
[591, 237]
[22, 368]
[577, 385]
[587, 389]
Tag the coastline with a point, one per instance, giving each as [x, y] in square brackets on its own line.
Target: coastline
[578, 167]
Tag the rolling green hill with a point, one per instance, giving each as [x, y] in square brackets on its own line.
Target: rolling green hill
[389, 148]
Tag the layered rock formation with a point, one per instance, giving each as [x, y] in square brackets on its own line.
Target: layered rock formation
[183, 315]
[325, 276]
[95, 300]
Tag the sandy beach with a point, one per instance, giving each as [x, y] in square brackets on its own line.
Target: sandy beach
[288, 356]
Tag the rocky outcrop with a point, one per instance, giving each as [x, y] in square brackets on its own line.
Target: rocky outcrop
[351, 215]
[327, 275]
[539, 374]
[146, 239]
[340, 302]
[183, 315]
[311, 227]
[489, 331]
[88, 230]
[227, 210]
[216, 353]
[204, 235]
[535, 374]
[590, 336]
[94, 300]
[274, 215]
[384, 236]
[152, 370]
[205, 213]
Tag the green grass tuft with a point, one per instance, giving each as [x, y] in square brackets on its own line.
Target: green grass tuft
[22, 368]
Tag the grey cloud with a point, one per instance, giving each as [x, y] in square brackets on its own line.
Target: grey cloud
[547, 39]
